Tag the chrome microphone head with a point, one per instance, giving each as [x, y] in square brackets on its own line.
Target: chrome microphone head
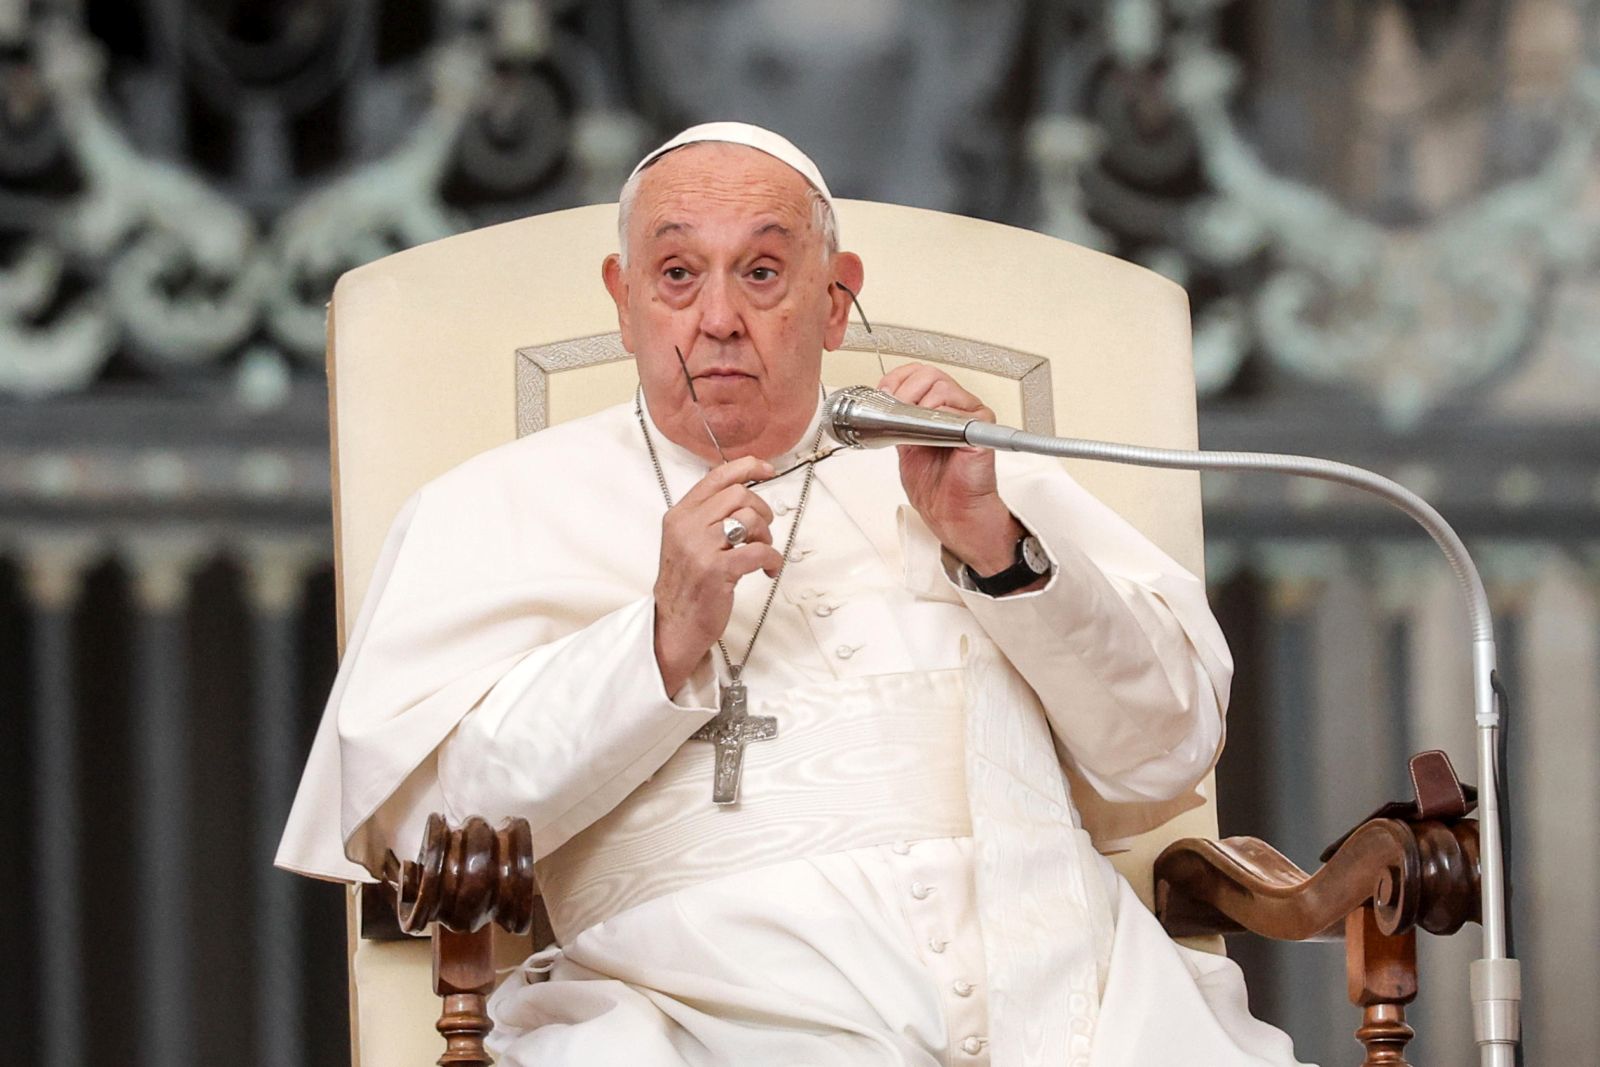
[864, 417]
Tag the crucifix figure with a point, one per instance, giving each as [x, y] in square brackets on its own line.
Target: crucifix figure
[730, 731]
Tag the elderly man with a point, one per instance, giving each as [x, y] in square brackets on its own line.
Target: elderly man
[794, 739]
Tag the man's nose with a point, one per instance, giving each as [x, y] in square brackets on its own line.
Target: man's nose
[720, 314]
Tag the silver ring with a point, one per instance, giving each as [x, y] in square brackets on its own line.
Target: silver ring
[734, 531]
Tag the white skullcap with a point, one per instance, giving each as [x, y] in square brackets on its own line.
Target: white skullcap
[774, 145]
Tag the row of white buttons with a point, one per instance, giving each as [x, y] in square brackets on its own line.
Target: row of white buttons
[823, 609]
[972, 1044]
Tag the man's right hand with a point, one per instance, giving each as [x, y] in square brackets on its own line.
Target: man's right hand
[699, 569]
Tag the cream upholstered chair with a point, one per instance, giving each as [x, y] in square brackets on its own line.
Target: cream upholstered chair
[443, 351]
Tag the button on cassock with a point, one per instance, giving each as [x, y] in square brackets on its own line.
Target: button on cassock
[972, 1045]
[962, 989]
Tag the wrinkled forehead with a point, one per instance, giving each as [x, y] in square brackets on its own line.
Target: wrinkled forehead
[713, 185]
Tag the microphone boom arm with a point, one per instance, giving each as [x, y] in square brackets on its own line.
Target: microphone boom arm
[1496, 978]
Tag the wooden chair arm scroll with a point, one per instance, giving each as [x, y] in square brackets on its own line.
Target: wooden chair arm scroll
[462, 880]
[1389, 876]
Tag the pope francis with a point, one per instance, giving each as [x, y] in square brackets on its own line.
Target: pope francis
[817, 756]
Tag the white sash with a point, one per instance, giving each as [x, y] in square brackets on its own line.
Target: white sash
[859, 762]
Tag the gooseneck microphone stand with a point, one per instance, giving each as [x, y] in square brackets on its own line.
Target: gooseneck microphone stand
[870, 418]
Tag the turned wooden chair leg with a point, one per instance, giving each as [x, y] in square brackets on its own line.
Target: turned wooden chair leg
[1382, 973]
[463, 974]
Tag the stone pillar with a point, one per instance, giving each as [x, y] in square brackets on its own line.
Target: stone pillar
[275, 575]
[54, 570]
[1441, 666]
[1297, 576]
[1555, 809]
[1309, 978]
[1358, 740]
[164, 976]
[1401, 575]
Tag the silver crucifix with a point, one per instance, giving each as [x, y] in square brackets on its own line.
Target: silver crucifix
[729, 732]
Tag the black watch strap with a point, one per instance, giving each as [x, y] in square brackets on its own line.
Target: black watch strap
[1030, 565]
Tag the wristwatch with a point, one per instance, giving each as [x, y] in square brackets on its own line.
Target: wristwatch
[1031, 565]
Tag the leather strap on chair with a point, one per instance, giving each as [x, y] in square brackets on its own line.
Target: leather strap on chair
[1438, 795]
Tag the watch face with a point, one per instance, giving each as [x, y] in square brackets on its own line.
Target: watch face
[1033, 555]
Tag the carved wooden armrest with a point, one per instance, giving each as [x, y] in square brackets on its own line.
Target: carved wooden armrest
[466, 878]
[463, 880]
[1411, 874]
[1414, 864]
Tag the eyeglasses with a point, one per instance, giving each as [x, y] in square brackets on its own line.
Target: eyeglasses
[814, 457]
[862, 315]
[688, 379]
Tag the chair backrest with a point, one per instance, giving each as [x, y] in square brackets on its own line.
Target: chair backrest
[445, 350]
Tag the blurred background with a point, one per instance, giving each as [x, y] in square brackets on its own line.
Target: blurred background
[1387, 215]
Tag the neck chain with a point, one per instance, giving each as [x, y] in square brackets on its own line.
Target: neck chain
[735, 670]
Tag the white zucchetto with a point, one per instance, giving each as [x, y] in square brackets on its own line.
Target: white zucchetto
[774, 145]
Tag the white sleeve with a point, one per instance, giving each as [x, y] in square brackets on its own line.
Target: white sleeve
[1120, 645]
[572, 729]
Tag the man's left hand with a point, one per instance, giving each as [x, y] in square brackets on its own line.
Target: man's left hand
[954, 489]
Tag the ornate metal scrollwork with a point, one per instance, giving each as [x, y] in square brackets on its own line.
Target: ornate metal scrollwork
[181, 205]
[1152, 146]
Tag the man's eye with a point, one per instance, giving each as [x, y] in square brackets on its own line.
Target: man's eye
[763, 274]
[676, 274]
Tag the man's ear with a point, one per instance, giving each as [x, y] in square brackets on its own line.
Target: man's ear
[617, 286]
[849, 276]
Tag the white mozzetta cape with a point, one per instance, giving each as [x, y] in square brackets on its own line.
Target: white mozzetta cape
[512, 601]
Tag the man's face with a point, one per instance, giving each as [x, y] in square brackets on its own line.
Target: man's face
[725, 262]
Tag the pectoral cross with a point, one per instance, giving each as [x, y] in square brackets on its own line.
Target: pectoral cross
[730, 731]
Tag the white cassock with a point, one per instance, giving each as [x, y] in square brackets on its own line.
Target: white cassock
[908, 877]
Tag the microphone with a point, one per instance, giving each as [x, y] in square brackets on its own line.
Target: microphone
[864, 417]
[870, 418]
[859, 416]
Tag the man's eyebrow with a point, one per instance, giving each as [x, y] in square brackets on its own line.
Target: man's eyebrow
[683, 227]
